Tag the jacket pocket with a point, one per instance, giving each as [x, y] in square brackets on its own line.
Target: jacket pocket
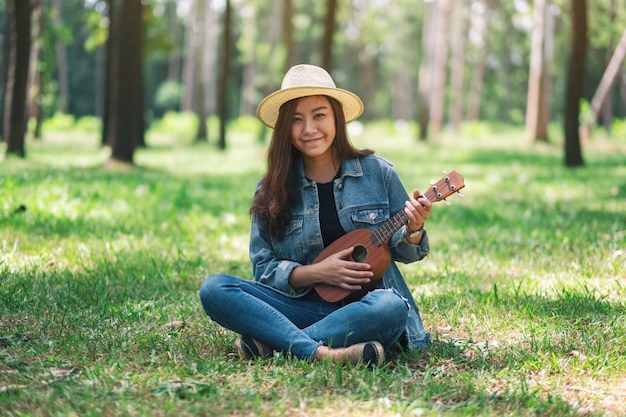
[370, 218]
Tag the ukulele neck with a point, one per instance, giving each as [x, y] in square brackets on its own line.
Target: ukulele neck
[387, 229]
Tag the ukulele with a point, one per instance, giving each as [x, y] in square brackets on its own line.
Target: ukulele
[372, 247]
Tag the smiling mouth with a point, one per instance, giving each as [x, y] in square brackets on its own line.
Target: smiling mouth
[312, 140]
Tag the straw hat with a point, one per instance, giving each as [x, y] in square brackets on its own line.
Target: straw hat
[307, 80]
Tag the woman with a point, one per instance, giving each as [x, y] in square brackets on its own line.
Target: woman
[318, 187]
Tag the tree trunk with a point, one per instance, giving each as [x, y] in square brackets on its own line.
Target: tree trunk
[224, 76]
[440, 64]
[288, 34]
[605, 116]
[478, 71]
[460, 29]
[610, 76]
[545, 90]
[205, 12]
[126, 126]
[19, 26]
[35, 78]
[107, 89]
[536, 122]
[174, 64]
[190, 66]
[329, 30]
[575, 83]
[4, 69]
[425, 71]
[64, 95]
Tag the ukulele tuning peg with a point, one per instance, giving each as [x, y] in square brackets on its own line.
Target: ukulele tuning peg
[460, 194]
[445, 200]
[433, 182]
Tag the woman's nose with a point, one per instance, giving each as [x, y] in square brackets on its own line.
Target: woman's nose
[309, 126]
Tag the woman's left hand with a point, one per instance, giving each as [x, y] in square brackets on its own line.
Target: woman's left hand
[417, 210]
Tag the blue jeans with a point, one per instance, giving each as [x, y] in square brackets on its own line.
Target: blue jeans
[301, 325]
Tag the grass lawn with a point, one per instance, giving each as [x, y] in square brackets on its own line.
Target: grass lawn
[524, 290]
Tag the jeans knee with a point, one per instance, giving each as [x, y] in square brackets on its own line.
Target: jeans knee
[210, 290]
[391, 304]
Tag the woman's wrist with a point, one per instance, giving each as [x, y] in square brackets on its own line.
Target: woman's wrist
[414, 236]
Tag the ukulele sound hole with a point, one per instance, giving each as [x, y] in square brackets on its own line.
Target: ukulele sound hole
[359, 254]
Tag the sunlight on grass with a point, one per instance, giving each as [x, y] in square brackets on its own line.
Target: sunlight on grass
[523, 291]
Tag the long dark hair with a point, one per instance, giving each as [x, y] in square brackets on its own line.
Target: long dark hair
[278, 189]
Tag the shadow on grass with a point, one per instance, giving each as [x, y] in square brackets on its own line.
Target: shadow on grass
[574, 331]
[47, 207]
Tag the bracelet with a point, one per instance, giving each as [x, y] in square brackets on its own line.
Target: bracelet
[415, 233]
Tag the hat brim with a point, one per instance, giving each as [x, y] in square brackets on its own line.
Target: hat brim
[268, 108]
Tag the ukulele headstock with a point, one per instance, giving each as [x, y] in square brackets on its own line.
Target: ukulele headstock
[449, 184]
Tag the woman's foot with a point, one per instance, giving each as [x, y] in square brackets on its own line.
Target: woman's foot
[369, 353]
[249, 348]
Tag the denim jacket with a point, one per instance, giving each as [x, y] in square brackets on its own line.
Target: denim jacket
[367, 193]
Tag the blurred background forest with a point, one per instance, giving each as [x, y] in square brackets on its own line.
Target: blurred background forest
[120, 66]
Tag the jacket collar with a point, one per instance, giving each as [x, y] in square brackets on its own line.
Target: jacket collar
[349, 168]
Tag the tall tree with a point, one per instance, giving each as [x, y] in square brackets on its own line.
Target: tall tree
[610, 76]
[224, 75]
[288, 34]
[4, 67]
[206, 63]
[124, 125]
[537, 106]
[458, 43]
[329, 31]
[440, 64]
[36, 77]
[61, 60]
[19, 37]
[482, 23]
[174, 64]
[575, 83]
[425, 71]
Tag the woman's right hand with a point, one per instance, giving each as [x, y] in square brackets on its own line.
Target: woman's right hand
[338, 269]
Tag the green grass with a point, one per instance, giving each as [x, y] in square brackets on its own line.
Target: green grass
[99, 270]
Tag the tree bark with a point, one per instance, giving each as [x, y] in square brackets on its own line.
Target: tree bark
[440, 65]
[126, 125]
[35, 79]
[19, 28]
[64, 95]
[536, 109]
[329, 31]
[478, 72]
[190, 66]
[575, 83]
[4, 69]
[457, 71]
[425, 71]
[204, 10]
[610, 76]
[224, 76]
[288, 34]
[173, 63]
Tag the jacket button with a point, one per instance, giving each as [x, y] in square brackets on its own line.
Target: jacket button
[340, 186]
[372, 216]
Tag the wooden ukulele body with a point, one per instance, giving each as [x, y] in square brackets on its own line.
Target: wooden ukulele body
[365, 250]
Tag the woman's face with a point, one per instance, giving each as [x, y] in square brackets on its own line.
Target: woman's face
[313, 127]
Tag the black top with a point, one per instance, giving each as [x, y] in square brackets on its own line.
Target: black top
[329, 220]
